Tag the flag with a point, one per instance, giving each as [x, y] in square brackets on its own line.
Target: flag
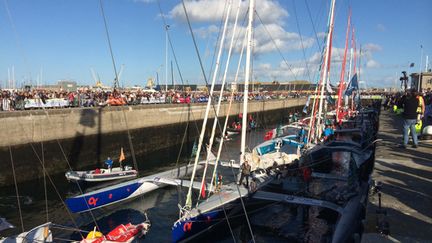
[330, 99]
[194, 149]
[329, 88]
[203, 188]
[412, 64]
[353, 85]
[122, 156]
[306, 105]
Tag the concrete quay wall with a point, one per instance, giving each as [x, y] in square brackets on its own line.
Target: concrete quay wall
[84, 138]
[25, 127]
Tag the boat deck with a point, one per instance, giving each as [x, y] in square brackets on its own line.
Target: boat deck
[406, 177]
[228, 193]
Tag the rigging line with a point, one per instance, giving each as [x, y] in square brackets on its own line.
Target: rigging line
[313, 25]
[218, 38]
[44, 182]
[130, 140]
[58, 193]
[319, 43]
[17, 39]
[116, 82]
[182, 81]
[209, 103]
[169, 40]
[275, 45]
[195, 44]
[216, 71]
[199, 58]
[109, 45]
[52, 182]
[301, 42]
[230, 103]
[67, 162]
[16, 189]
[196, 49]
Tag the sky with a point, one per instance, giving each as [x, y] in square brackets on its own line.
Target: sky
[44, 41]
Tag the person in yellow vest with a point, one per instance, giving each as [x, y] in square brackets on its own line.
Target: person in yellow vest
[420, 112]
[421, 106]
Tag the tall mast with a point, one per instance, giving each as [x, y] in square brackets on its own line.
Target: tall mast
[215, 121]
[188, 203]
[342, 76]
[166, 58]
[247, 78]
[326, 68]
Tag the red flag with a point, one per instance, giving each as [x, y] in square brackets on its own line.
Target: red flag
[203, 188]
[268, 135]
[122, 156]
[307, 174]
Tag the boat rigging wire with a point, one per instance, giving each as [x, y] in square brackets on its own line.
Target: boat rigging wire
[44, 181]
[116, 85]
[16, 189]
[301, 40]
[17, 39]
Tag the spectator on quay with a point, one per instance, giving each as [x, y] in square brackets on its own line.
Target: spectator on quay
[409, 103]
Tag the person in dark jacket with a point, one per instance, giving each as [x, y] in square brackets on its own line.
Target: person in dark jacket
[409, 103]
[245, 172]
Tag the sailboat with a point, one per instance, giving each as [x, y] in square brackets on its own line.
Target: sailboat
[332, 176]
[41, 233]
[100, 174]
[230, 198]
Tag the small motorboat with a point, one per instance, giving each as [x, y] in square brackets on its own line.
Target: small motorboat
[122, 233]
[97, 175]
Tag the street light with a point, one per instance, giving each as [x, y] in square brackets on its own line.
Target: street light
[404, 80]
[166, 57]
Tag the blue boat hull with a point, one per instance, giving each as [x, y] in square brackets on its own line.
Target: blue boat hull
[192, 227]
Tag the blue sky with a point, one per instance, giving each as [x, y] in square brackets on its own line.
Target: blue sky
[49, 40]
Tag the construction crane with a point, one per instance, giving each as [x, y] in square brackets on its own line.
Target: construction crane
[96, 78]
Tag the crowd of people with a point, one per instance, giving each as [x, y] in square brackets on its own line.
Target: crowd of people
[396, 100]
[416, 110]
[11, 100]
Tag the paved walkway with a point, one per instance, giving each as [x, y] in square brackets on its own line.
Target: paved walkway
[406, 177]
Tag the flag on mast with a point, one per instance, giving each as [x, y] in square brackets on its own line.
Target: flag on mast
[122, 156]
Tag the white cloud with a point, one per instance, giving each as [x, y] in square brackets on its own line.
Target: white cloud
[269, 33]
[212, 10]
[381, 27]
[373, 64]
[371, 47]
[283, 71]
[206, 32]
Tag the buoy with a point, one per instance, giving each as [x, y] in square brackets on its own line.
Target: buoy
[94, 235]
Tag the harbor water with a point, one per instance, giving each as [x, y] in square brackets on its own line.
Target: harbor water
[161, 205]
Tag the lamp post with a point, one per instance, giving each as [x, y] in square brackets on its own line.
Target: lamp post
[419, 83]
[166, 57]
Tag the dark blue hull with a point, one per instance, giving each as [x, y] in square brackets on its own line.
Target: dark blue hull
[194, 226]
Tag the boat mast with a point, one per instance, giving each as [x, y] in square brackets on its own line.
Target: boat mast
[342, 76]
[326, 68]
[215, 73]
[247, 78]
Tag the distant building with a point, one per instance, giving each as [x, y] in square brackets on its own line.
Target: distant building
[293, 86]
[67, 85]
[422, 84]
